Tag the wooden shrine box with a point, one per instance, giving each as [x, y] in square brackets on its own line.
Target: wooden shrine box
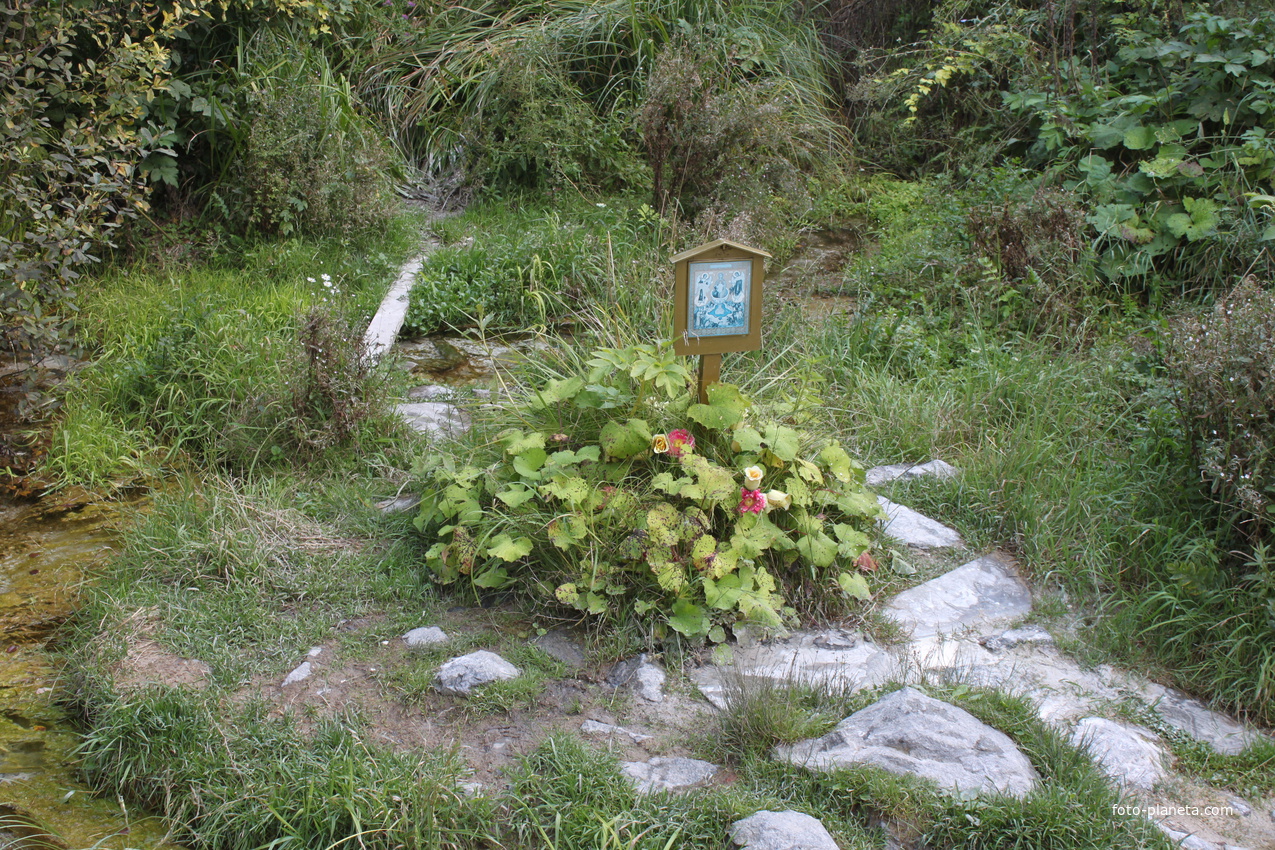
[717, 298]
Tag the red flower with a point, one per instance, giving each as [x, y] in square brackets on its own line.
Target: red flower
[679, 439]
[751, 501]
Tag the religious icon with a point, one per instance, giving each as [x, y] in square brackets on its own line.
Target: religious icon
[719, 296]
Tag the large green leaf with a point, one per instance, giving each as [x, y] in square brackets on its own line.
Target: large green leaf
[528, 462]
[1139, 138]
[507, 549]
[621, 441]
[854, 584]
[689, 619]
[818, 548]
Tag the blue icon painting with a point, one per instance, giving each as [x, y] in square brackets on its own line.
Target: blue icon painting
[719, 295]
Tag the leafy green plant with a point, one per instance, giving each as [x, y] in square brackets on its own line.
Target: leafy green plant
[617, 496]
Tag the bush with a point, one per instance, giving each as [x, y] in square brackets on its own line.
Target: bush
[1220, 363]
[610, 493]
[307, 162]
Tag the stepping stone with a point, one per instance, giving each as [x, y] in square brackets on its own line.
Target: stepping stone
[595, 727]
[299, 674]
[835, 660]
[461, 675]
[908, 732]
[971, 596]
[1223, 734]
[667, 774]
[385, 325]
[781, 831]
[434, 419]
[424, 636]
[1130, 755]
[644, 677]
[914, 529]
[878, 475]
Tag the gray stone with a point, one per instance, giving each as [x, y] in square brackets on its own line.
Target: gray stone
[971, 596]
[878, 475]
[434, 419]
[430, 355]
[834, 660]
[1130, 755]
[1017, 637]
[667, 774]
[1197, 720]
[315, 652]
[595, 727]
[299, 674]
[559, 646]
[908, 732]
[461, 675]
[1241, 808]
[1186, 840]
[424, 636]
[429, 392]
[781, 831]
[914, 529]
[643, 676]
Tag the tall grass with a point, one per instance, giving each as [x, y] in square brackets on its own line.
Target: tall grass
[437, 84]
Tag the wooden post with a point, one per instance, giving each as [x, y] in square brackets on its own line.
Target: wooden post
[710, 372]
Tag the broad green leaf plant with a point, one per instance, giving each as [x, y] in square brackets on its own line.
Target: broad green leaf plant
[618, 496]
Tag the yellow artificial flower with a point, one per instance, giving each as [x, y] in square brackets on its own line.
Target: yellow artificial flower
[752, 477]
[778, 499]
[659, 444]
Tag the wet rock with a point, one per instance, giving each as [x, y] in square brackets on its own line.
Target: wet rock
[462, 674]
[1130, 755]
[559, 646]
[595, 727]
[1017, 637]
[643, 676]
[917, 530]
[430, 355]
[835, 660]
[969, 597]
[667, 774]
[299, 674]
[878, 475]
[434, 419]
[908, 732]
[781, 831]
[429, 392]
[424, 636]
[1200, 722]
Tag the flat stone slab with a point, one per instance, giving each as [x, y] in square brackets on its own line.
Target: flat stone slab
[424, 636]
[972, 596]
[833, 659]
[388, 321]
[461, 675]
[299, 673]
[908, 732]
[1011, 638]
[610, 730]
[667, 774]
[1131, 756]
[917, 530]
[878, 475]
[434, 419]
[1220, 732]
[781, 831]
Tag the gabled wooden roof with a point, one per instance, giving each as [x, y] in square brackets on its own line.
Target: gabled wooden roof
[717, 243]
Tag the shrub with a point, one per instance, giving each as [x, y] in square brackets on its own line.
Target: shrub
[1220, 363]
[611, 493]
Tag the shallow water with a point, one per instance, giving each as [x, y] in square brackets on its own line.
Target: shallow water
[47, 549]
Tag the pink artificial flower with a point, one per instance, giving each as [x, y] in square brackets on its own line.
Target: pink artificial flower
[751, 501]
[679, 440]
